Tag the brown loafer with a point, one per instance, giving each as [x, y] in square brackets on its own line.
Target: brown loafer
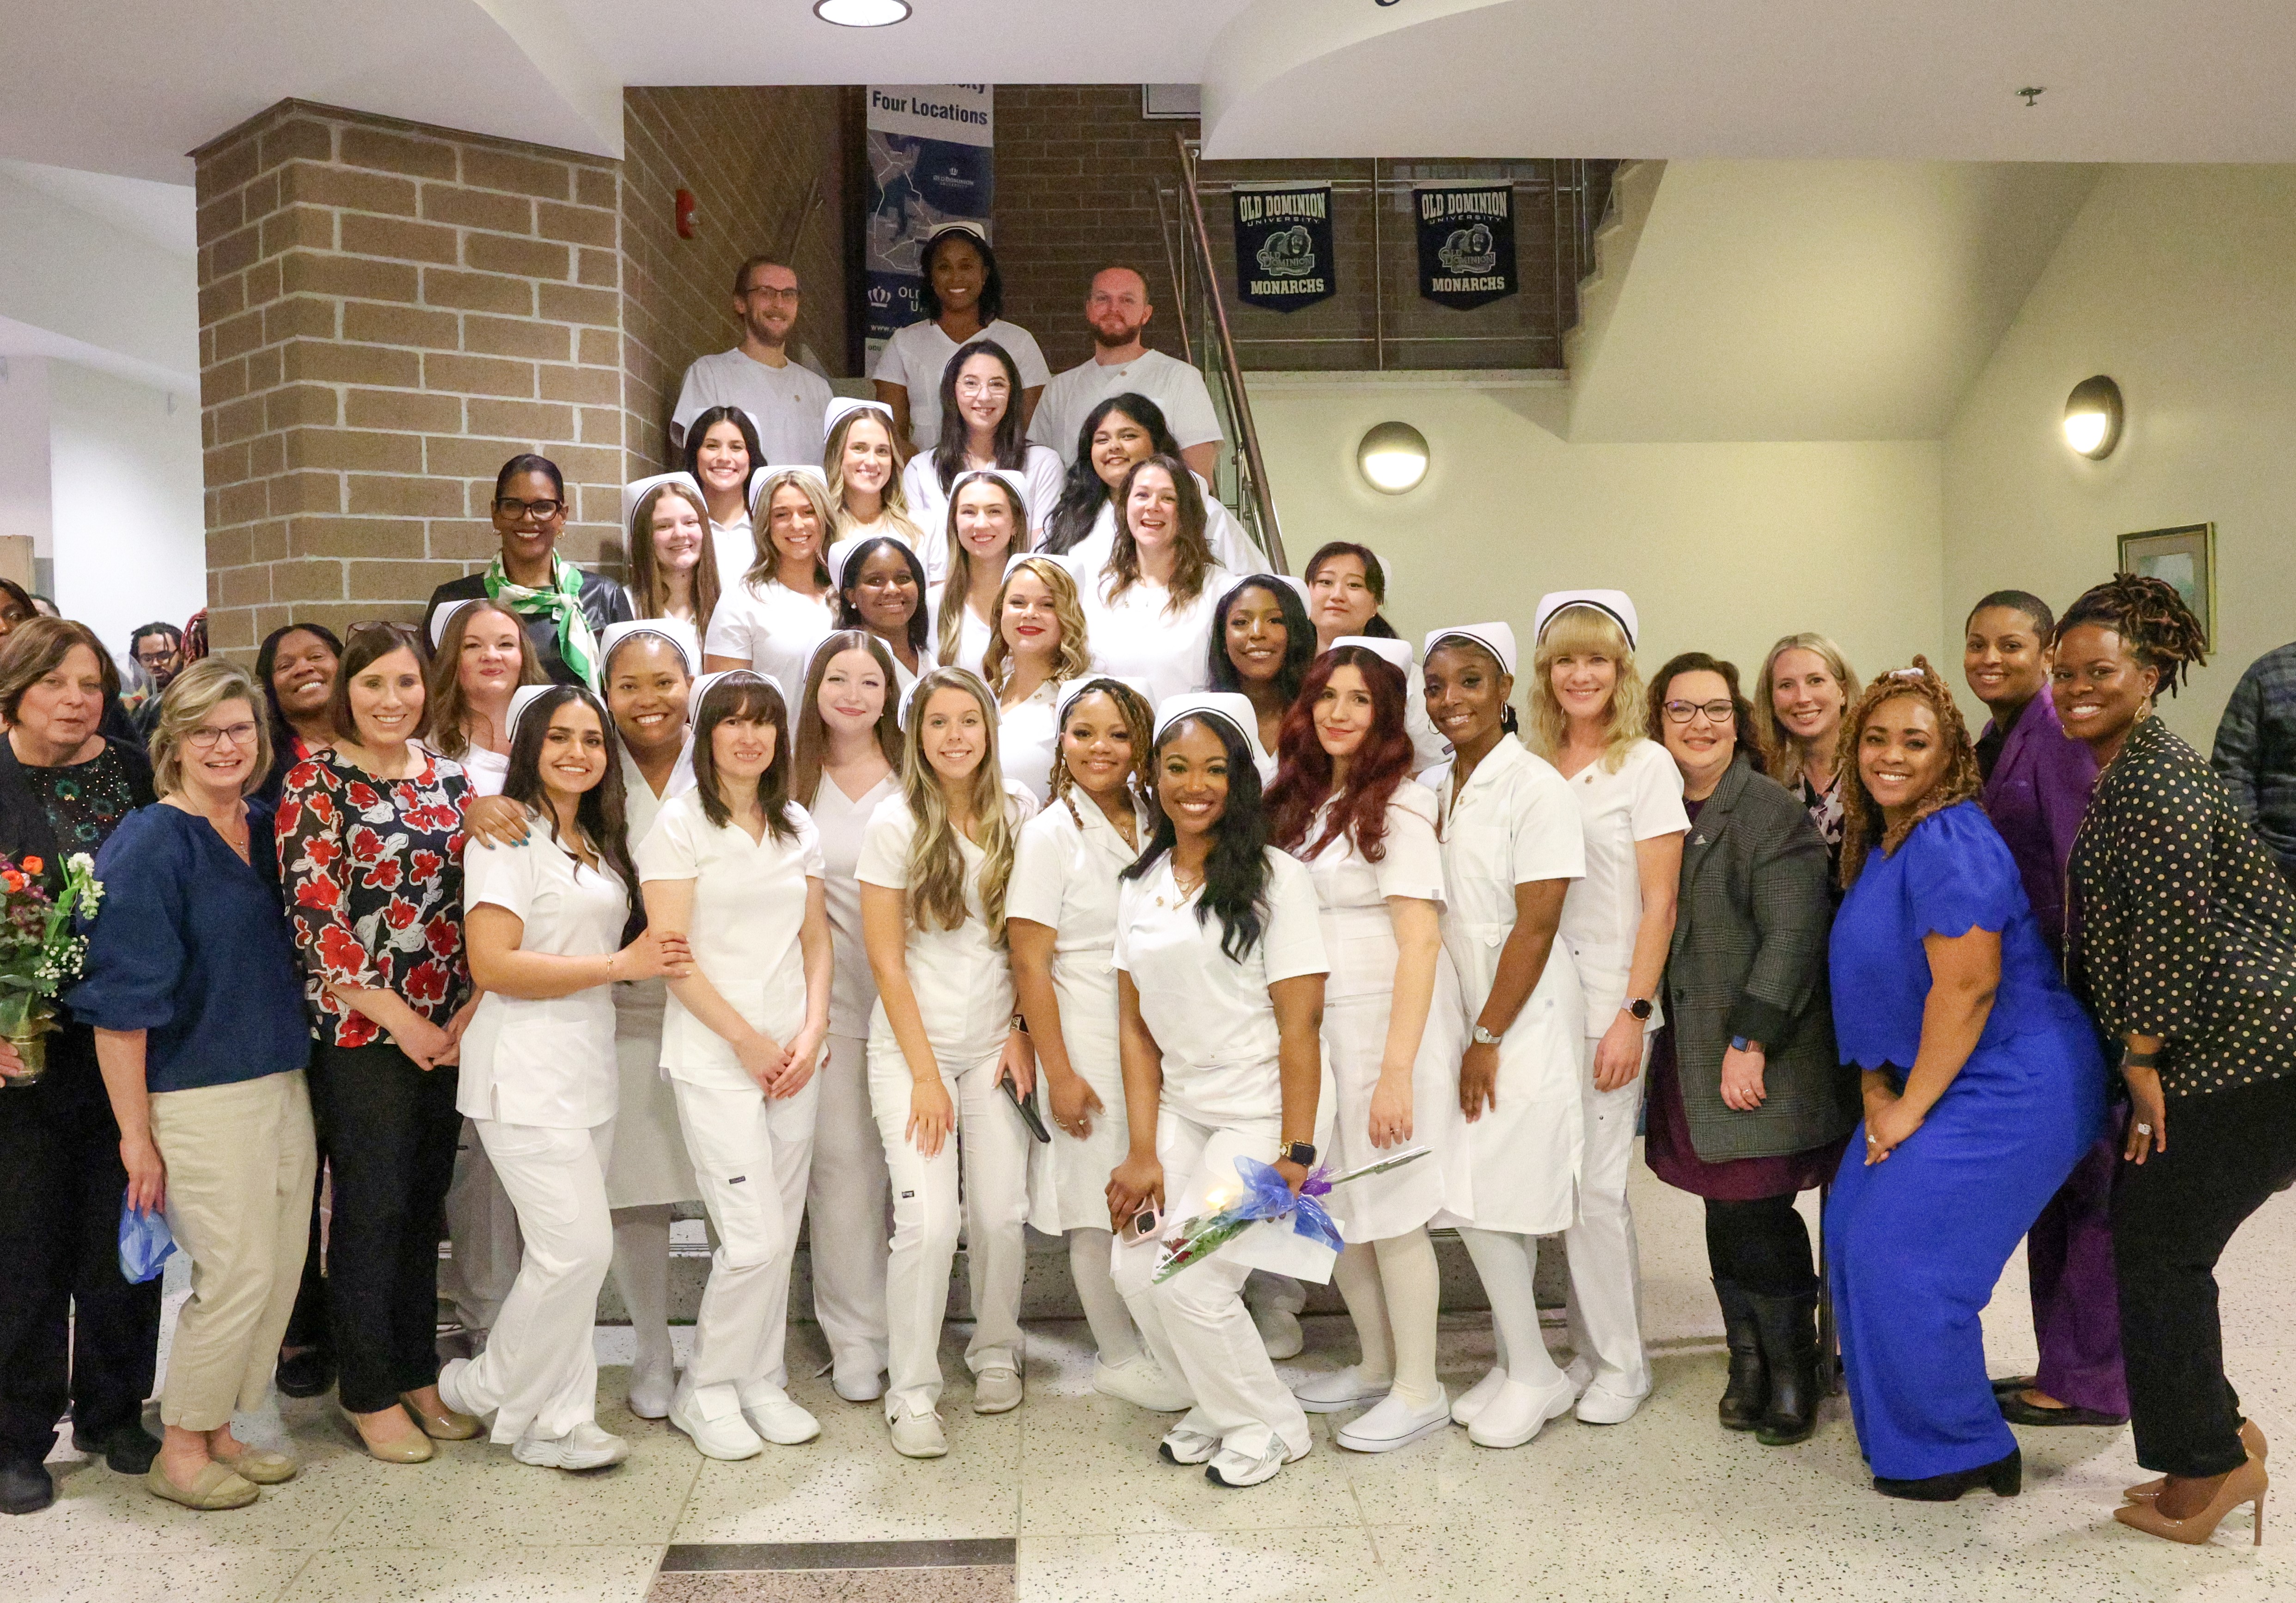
[445, 1425]
[217, 1486]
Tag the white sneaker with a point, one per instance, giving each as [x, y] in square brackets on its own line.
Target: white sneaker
[1279, 1331]
[917, 1435]
[713, 1417]
[1339, 1391]
[1140, 1380]
[1477, 1397]
[1184, 1446]
[584, 1447]
[769, 1413]
[1236, 1470]
[1394, 1423]
[450, 1392]
[1580, 1374]
[996, 1391]
[1518, 1413]
[1600, 1405]
[857, 1378]
[653, 1382]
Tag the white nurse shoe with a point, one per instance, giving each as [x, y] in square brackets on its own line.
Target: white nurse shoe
[917, 1435]
[1340, 1391]
[713, 1417]
[1395, 1423]
[1477, 1397]
[1141, 1381]
[1520, 1412]
[1600, 1405]
[996, 1391]
[584, 1447]
[769, 1413]
[653, 1382]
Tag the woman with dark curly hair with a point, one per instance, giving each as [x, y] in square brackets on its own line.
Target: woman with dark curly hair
[2181, 939]
[1982, 1087]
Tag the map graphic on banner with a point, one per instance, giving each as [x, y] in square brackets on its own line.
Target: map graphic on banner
[1466, 244]
[1283, 246]
[932, 161]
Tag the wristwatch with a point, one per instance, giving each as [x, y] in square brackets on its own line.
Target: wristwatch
[1484, 1038]
[1641, 1008]
[1303, 1153]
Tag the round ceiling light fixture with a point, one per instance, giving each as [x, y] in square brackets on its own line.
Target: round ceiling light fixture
[1393, 457]
[862, 13]
[2093, 417]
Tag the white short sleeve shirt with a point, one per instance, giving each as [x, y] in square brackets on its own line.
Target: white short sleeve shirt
[917, 357]
[1026, 736]
[1231, 548]
[1133, 636]
[789, 403]
[1358, 931]
[1177, 390]
[842, 821]
[1605, 911]
[774, 629]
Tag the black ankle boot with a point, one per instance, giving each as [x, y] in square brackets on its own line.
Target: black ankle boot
[1789, 1336]
[1748, 1392]
[2005, 1477]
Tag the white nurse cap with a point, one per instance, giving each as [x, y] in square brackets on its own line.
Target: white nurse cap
[634, 491]
[1297, 587]
[446, 614]
[842, 406]
[1496, 638]
[1012, 480]
[764, 476]
[680, 635]
[1615, 605]
[520, 700]
[1228, 706]
[840, 556]
[1395, 651]
[1076, 690]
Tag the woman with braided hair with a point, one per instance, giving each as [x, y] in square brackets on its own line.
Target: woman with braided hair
[2181, 939]
[1983, 1086]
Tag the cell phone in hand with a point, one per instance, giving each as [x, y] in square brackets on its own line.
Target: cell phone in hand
[1143, 1226]
[1026, 1106]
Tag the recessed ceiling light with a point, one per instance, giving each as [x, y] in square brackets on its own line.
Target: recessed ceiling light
[862, 13]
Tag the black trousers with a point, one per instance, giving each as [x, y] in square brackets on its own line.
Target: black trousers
[1763, 1246]
[307, 1325]
[390, 1129]
[73, 1332]
[2172, 1215]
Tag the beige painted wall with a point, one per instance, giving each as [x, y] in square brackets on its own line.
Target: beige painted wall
[1723, 546]
[2180, 282]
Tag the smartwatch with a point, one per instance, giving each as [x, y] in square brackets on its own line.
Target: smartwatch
[1641, 1008]
[1484, 1038]
[1303, 1153]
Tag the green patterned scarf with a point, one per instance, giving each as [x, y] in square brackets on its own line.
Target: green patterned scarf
[561, 604]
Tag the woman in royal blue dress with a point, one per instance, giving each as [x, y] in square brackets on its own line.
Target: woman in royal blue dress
[1983, 1086]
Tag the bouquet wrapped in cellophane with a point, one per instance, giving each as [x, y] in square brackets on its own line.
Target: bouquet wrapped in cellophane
[41, 950]
[1265, 1198]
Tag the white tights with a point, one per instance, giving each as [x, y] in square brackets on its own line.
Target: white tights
[1103, 1305]
[1391, 1289]
[642, 1275]
[1505, 1263]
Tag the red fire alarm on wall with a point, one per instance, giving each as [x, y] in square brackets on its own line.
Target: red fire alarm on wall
[686, 214]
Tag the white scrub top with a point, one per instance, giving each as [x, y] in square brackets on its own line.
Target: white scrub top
[1231, 548]
[1212, 1017]
[683, 628]
[1133, 636]
[1040, 472]
[639, 1003]
[1359, 931]
[963, 978]
[749, 908]
[1602, 911]
[917, 357]
[1177, 390]
[972, 633]
[1026, 737]
[488, 772]
[774, 629]
[841, 821]
[550, 1061]
[789, 403]
[848, 531]
[735, 546]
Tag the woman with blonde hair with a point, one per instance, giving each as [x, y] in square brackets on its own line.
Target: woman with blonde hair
[480, 654]
[863, 462]
[1587, 718]
[1040, 645]
[934, 869]
[1150, 606]
[1805, 685]
[771, 621]
[673, 574]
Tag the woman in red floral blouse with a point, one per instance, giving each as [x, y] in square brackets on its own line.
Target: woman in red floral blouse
[370, 837]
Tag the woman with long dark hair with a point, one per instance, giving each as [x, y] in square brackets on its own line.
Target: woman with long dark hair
[1260, 648]
[722, 456]
[982, 427]
[881, 591]
[1347, 585]
[963, 297]
[1150, 606]
[296, 667]
[1117, 432]
[1219, 981]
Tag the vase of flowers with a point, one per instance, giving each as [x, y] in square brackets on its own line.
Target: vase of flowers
[41, 950]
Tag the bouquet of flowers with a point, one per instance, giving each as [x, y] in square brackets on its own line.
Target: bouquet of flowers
[1266, 1197]
[41, 950]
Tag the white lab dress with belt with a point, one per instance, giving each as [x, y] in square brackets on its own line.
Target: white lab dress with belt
[1515, 823]
[1135, 636]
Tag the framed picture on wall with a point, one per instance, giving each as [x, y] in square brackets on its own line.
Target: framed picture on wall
[2186, 558]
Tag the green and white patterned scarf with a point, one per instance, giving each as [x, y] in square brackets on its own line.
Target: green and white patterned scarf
[561, 604]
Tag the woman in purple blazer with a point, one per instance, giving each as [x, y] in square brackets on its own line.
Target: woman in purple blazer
[2037, 782]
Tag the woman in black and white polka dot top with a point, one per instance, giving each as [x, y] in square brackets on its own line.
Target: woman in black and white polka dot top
[2181, 940]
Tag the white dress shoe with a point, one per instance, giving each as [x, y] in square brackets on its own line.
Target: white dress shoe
[1392, 1423]
[1518, 1413]
[858, 1377]
[584, 1447]
[1181, 1445]
[1141, 1381]
[1236, 1469]
[772, 1415]
[917, 1435]
[653, 1382]
[1340, 1390]
[713, 1417]
[996, 1391]
[1279, 1331]
[1477, 1397]
[1600, 1405]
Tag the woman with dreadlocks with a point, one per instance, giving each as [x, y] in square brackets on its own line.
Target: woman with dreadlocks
[2181, 939]
[1983, 1086]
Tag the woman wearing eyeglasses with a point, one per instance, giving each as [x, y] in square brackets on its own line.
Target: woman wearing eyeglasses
[1748, 1103]
[981, 426]
[564, 608]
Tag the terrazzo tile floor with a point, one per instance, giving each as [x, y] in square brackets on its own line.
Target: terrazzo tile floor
[1666, 1505]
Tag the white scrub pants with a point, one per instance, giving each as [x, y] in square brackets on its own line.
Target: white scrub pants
[1605, 1303]
[1195, 1324]
[926, 1213]
[846, 1201]
[540, 1373]
[483, 1225]
[750, 1156]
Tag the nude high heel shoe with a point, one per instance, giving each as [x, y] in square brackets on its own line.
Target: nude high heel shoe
[2145, 1491]
[2246, 1485]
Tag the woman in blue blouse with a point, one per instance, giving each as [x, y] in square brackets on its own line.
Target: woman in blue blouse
[1983, 1086]
[197, 1002]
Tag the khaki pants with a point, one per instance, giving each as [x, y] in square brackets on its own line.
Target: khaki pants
[240, 1160]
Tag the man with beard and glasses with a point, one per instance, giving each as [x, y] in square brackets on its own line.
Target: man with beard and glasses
[1118, 310]
[786, 400]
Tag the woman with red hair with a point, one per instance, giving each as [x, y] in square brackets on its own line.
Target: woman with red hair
[1344, 803]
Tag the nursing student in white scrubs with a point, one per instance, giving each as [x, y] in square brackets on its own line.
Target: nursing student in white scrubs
[963, 297]
[1346, 805]
[1220, 968]
[673, 572]
[1261, 646]
[981, 428]
[770, 621]
[849, 758]
[985, 525]
[544, 924]
[1040, 649]
[863, 461]
[1347, 584]
[935, 865]
[1511, 851]
[1587, 718]
[723, 456]
[1117, 432]
[1060, 916]
[880, 590]
[735, 867]
[1149, 607]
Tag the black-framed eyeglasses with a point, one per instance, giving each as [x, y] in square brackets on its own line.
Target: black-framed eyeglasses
[541, 512]
[1717, 713]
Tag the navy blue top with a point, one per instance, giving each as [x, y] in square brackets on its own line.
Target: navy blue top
[1951, 874]
[192, 945]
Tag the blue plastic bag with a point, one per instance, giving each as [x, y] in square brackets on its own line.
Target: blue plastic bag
[146, 1243]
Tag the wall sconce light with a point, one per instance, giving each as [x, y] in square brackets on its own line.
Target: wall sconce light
[862, 13]
[2093, 417]
[1393, 457]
